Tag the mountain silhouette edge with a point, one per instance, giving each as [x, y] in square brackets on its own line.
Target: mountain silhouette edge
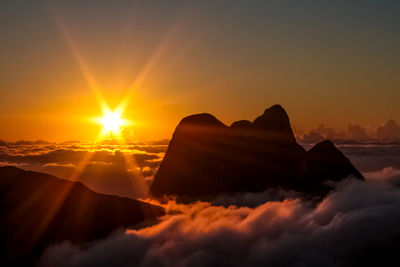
[206, 157]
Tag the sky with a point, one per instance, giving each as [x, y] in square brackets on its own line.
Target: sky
[335, 62]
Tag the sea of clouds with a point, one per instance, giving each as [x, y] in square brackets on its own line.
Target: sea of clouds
[110, 167]
[356, 224]
[106, 167]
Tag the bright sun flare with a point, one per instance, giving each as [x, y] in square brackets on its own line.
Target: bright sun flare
[112, 122]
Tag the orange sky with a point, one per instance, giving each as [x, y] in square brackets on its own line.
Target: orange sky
[332, 63]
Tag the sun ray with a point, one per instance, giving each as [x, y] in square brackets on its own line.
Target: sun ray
[62, 195]
[151, 62]
[112, 120]
[77, 55]
[100, 99]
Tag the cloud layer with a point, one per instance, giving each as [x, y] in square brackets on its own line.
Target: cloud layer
[109, 168]
[387, 132]
[356, 224]
[114, 169]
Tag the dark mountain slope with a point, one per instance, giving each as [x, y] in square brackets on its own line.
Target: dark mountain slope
[325, 163]
[38, 210]
[206, 157]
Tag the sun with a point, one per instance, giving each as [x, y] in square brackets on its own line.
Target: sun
[112, 122]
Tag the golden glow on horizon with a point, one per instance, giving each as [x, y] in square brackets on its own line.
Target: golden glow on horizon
[112, 121]
[112, 124]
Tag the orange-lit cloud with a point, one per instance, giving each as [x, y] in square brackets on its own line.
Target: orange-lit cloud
[342, 228]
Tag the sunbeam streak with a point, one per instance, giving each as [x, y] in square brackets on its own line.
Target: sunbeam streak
[112, 123]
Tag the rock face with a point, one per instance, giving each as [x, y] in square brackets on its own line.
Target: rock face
[206, 157]
[38, 210]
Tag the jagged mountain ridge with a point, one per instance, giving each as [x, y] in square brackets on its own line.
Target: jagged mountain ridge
[205, 158]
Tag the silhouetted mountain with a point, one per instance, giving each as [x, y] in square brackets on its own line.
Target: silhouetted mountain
[276, 122]
[243, 124]
[326, 163]
[38, 210]
[206, 157]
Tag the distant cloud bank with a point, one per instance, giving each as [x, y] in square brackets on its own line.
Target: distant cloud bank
[107, 167]
[114, 169]
[388, 132]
